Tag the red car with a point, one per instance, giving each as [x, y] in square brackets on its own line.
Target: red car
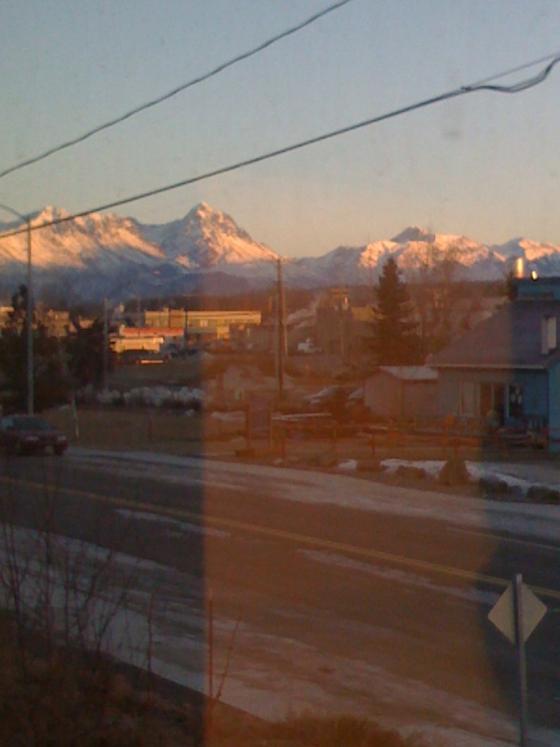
[28, 434]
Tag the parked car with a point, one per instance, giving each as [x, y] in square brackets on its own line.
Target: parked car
[28, 434]
[308, 347]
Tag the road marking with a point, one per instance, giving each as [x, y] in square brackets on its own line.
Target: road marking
[304, 539]
[504, 538]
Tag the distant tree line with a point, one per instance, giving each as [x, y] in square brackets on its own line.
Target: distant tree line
[60, 366]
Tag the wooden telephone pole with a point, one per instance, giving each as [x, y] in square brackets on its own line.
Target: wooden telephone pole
[280, 329]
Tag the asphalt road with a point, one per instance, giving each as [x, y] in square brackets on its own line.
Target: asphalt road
[328, 593]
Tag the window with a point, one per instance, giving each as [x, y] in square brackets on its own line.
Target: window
[467, 398]
[515, 401]
[549, 335]
[492, 401]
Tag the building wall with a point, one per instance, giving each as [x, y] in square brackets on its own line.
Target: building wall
[210, 324]
[57, 323]
[544, 288]
[387, 396]
[220, 324]
[165, 318]
[5, 312]
[554, 409]
[534, 384]
[121, 345]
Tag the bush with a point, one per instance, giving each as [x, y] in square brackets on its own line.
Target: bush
[542, 494]
[495, 485]
[454, 472]
[416, 473]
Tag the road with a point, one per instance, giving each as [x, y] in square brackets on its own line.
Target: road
[328, 592]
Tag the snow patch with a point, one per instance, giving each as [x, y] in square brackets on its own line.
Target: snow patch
[487, 598]
[184, 526]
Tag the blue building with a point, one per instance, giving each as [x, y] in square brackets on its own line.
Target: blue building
[506, 371]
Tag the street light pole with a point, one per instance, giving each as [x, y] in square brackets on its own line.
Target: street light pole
[29, 314]
[30, 399]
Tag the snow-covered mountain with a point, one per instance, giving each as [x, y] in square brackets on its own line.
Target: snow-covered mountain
[207, 239]
[107, 255]
[100, 242]
[421, 254]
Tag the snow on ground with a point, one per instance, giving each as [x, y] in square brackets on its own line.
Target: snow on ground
[306, 486]
[183, 526]
[355, 686]
[154, 396]
[431, 467]
[235, 416]
[349, 465]
[270, 675]
[521, 477]
[478, 596]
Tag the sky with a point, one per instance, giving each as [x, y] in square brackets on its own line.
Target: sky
[484, 165]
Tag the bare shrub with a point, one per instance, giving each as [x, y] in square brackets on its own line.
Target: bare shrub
[60, 598]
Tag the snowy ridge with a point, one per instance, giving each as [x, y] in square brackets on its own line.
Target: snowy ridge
[108, 255]
[421, 255]
[207, 238]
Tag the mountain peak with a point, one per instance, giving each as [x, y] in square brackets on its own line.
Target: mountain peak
[413, 233]
[50, 213]
[207, 237]
[202, 210]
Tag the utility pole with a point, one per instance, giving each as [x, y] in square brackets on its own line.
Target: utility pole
[105, 344]
[280, 330]
[29, 314]
[30, 398]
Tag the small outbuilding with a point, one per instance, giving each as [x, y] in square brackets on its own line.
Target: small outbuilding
[402, 392]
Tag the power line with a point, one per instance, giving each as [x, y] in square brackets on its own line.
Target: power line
[462, 91]
[518, 68]
[174, 91]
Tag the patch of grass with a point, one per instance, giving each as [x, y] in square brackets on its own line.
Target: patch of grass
[72, 697]
[132, 429]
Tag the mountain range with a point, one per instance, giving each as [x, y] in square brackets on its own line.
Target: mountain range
[105, 255]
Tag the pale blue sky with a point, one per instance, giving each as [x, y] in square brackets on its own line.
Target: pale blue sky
[484, 165]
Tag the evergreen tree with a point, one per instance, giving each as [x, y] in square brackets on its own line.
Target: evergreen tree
[49, 368]
[395, 339]
[84, 347]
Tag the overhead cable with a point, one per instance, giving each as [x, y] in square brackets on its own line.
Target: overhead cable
[462, 91]
[174, 91]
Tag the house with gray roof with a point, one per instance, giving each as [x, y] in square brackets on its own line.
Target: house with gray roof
[506, 371]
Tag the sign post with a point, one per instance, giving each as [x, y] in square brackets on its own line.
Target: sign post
[516, 614]
[521, 658]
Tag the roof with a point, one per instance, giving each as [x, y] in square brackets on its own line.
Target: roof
[509, 339]
[151, 331]
[411, 373]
